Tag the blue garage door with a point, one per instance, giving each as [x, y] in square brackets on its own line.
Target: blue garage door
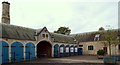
[80, 51]
[17, 52]
[56, 50]
[67, 50]
[75, 50]
[30, 51]
[71, 50]
[0, 52]
[5, 54]
[62, 51]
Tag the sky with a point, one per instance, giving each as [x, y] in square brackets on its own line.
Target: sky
[79, 15]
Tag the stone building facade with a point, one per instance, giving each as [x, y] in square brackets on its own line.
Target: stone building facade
[22, 44]
[91, 42]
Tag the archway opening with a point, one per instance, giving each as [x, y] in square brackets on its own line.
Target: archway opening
[17, 52]
[56, 50]
[44, 49]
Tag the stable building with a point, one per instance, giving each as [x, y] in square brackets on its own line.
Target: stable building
[19, 43]
[91, 42]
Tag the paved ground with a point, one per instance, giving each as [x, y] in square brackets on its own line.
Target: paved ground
[74, 60]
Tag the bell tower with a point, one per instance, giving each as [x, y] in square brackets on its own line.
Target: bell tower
[5, 12]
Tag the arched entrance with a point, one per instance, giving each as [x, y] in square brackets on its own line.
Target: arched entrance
[75, 50]
[30, 51]
[62, 50]
[67, 50]
[71, 50]
[17, 52]
[56, 50]
[44, 49]
[4, 47]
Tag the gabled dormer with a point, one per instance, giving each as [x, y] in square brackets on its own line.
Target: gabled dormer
[42, 34]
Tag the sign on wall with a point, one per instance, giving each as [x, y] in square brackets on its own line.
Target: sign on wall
[61, 50]
[67, 49]
[76, 49]
[71, 49]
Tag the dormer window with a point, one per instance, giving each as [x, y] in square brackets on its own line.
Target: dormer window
[96, 38]
[46, 35]
[43, 35]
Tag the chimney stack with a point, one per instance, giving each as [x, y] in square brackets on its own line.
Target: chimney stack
[5, 12]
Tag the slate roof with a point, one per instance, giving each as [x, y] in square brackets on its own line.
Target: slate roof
[62, 38]
[89, 36]
[23, 33]
[16, 32]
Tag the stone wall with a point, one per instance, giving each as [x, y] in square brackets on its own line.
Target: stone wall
[98, 45]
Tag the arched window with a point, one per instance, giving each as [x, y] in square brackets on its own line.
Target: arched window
[43, 35]
[46, 35]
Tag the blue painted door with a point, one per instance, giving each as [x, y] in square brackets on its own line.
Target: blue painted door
[17, 52]
[75, 50]
[0, 52]
[71, 50]
[56, 50]
[62, 51]
[80, 51]
[30, 51]
[67, 50]
[5, 54]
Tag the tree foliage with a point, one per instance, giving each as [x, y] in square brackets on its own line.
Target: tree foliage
[63, 30]
[101, 29]
[110, 37]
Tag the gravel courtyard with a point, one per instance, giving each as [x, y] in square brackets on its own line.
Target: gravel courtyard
[73, 60]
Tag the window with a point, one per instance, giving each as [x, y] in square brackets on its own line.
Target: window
[43, 35]
[90, 47]
[46, 35]
[80, 45]
[96, 38]
[119, 46]
[105, 49]
[97, 35]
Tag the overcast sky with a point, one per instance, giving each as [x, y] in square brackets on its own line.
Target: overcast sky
[79, 16]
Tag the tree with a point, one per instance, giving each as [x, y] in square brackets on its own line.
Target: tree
[110, 37]
[63, 30]
[101, 29]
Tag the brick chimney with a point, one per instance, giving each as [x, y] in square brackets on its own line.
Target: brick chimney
[5, 12]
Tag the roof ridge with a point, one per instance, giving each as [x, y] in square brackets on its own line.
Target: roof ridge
[17, 26]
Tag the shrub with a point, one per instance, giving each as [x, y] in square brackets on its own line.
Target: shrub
[101, 52]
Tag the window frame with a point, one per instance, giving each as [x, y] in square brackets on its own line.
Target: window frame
[90, 47]
[43, 35]
[47, 36]
[96, 37]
